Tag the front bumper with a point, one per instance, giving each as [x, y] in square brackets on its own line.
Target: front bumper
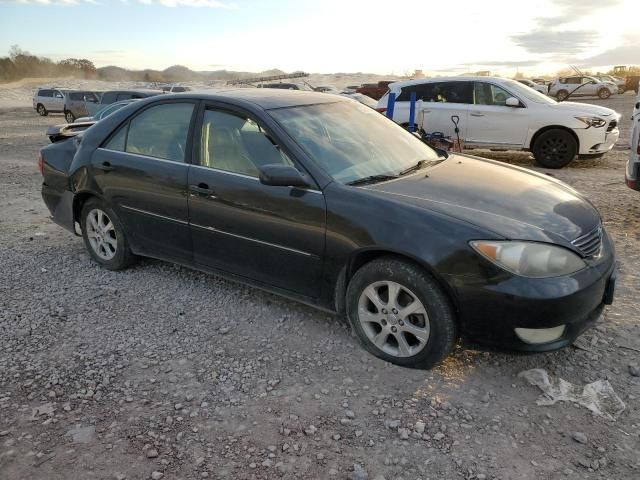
[596, 140]
[491, 309]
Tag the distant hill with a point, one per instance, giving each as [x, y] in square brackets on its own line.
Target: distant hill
[175, 73]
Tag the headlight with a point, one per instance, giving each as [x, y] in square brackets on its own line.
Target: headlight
[592, 121]
[530, 259]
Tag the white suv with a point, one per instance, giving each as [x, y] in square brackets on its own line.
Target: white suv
[581, 86]
[503, 114]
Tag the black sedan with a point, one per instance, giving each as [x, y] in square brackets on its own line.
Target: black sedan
[324, 200]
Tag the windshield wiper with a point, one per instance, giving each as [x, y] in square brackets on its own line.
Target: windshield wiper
[372, 179]
[421, 164]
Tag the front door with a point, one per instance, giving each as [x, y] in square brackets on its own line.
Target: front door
[142, 174]
[492, 122]
[273, 235]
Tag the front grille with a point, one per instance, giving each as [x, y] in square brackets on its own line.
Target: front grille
[612, 125]
[590, 243]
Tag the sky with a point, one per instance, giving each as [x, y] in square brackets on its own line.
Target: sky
[328, 36]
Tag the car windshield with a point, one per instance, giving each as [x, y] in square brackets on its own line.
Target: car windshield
[529, 93]
[351, 141]
[108, 110]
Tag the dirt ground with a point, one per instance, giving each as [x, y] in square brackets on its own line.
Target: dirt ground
[163, 372]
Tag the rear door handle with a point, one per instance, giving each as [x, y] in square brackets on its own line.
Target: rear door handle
[105, 166]
[201, 189]
[477, 114]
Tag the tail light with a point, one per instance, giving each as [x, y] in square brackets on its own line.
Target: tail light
[381, 110]
[40, 163]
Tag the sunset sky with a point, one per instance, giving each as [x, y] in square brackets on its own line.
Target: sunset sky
[330, 35]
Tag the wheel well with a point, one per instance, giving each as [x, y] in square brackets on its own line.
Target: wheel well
[78, 202]
[360, 259]
[39, 105]
[553, 127]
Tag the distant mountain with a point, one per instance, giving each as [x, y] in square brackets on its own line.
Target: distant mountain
[176, 73]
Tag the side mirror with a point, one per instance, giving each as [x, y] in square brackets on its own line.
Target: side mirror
[512, 102]
[278, 175]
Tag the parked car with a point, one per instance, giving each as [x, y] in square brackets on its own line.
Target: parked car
[105, 110]
[620, 82]
[632, 173]
[374, 90]
[581, 86]
[322, 199]
[632, 82]
[285, 86]
[49, 100]
[536, 86]
[363, 99]
[175, 89]
[499, 113]
[110, 96]
[76, 102]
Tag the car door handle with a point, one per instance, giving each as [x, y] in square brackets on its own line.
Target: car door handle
[477, 114]
[105, 166]
[201, 189]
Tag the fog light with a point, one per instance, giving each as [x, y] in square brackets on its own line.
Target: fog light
[540, 335]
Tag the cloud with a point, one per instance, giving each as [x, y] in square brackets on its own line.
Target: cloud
[627, 53]
[543, 41]
[572, 11]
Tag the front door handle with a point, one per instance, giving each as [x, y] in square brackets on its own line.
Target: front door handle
[201, 189]
[105, 166]
[477, 114]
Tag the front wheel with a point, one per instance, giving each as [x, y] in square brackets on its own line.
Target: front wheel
[562, 95]
[104, 235]
[42, 111]
[555, 148]
[621, 90]
[400, 314]
[69, 116]
[604, 93]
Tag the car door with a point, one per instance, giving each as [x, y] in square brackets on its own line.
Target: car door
[492, 122]
[142, 173]
[272, 235]
[441, 102]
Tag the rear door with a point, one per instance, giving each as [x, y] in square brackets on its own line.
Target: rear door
[272, 235]
[142, 172]
[444, 100]
[492, 122]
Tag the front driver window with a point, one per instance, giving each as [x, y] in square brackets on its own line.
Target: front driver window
[489, 94]
[237, 144]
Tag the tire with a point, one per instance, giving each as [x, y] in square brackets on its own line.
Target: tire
[562, 95]
[69, 116]
[604, 93]
[108, 246]
[621, 90]
[42, 111]
[555, 148]
[382, 334]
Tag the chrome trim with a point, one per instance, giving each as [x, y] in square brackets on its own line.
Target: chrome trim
[172, 162]
[145, 212]
[293, 250]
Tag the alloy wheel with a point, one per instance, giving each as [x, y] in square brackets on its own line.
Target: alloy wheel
[101, 234]
[555, 149]
[69, 117]
[394, 319]
[41, 110]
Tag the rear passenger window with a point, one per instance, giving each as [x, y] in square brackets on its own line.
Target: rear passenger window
[161, 131]
[45, 93]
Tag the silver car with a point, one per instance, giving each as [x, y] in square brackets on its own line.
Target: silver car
[49, 100]
[581, 86]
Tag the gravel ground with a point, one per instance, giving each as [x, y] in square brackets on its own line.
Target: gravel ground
[163, 372]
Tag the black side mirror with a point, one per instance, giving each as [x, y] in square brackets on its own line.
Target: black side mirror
[281, 176]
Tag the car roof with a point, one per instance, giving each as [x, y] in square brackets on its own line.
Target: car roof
[128, 90]
[420, 81]
[266, 98]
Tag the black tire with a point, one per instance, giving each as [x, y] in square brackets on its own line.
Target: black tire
[69, 116]
[562, 95]
[42, 111]
[440, 316]
[123, 256]
[555, 148]
[621, 90]
[604, 93]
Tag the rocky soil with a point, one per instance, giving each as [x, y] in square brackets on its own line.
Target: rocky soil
[164, 372]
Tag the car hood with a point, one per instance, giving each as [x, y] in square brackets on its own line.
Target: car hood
[583, 109]
[509, 201]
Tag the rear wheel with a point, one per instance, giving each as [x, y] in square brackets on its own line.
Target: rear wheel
[621, 90]
[41, 110]
[604, 93]
[562, 95]
[69, 116]
[555, 148]
[400, 314]
[104, 235]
